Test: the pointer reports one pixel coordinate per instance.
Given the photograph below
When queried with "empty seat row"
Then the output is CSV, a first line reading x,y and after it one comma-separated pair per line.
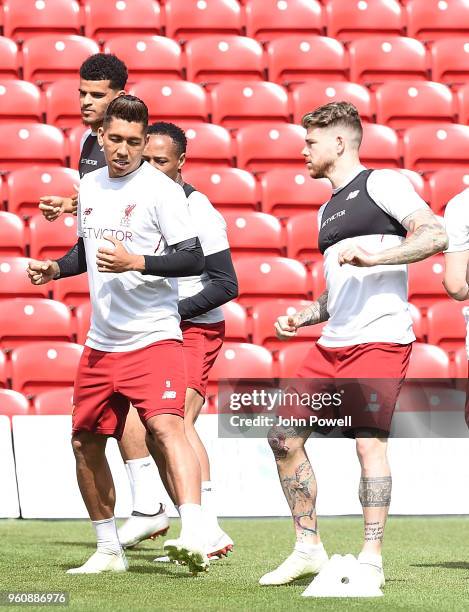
x,y
399,104
263,19
49,58
256,147
282,192
51,387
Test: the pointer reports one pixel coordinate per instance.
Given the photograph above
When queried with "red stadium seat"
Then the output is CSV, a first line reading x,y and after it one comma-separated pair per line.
x,y
217,57
8,59
444,185
291,357
226,188
52,240
20,101
380,146
14,281
53,57
263,278
417,181
403,104
240,360
188,18
207,145
23,18
253,233
463,104
73,290
450,60
73,144
307,97
147,56
461,363
31,144
428,361
318,282
44,365
267,19
447,325
83,316
288,191
63,104
234,105
236,322
173,100
378,59
103,19
13,403
55,401
302,237
430,147
3,371
348,20
27,185
12,235
24,320
263,147
426,282
301,58
433,19
264,316
417,322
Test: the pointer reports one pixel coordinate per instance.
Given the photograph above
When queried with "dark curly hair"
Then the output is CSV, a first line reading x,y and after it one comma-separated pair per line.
x,y
105,67
177,135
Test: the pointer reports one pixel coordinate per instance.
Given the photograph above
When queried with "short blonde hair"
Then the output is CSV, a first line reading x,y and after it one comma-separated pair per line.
x,y
332,114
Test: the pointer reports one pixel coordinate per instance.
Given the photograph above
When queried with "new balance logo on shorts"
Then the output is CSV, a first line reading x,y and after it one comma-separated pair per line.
x,y
169,395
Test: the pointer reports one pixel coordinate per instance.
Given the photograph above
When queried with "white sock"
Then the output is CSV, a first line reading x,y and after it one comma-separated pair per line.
x,y
144,486
371,559
191,520
308,549
208,508
106,536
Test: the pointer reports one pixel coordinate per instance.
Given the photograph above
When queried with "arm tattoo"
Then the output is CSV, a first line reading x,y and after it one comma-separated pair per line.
x,y
375,491
300,491
427,238
315,313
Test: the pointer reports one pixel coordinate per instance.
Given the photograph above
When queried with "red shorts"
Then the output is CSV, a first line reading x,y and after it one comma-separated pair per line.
x,y
201,344
370,406
152,378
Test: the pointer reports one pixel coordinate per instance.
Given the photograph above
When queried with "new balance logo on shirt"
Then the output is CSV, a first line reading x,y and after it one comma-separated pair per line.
x,y
352,194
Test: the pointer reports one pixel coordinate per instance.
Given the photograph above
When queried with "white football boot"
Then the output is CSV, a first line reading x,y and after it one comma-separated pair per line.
x,y
297,565
139,527
100,562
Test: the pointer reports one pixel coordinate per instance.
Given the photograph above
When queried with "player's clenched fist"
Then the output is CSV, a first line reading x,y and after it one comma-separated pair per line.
x,y
286,327
41,272
356,256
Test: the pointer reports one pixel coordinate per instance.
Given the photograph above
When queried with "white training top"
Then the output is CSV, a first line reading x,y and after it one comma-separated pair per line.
x,y
370,304
210,227
457,228
147,212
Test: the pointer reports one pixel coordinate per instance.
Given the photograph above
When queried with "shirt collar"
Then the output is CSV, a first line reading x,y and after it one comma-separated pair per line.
x,y
355,172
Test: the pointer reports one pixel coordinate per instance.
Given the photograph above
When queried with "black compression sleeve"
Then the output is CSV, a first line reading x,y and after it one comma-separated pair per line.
x,y
188,260
221,288
73,262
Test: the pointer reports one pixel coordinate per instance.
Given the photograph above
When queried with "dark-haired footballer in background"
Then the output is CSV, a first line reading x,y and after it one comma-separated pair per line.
x,y
203,329
133,352
102,78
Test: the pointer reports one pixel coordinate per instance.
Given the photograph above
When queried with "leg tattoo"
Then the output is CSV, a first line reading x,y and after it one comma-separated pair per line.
x,y
375,491
300,491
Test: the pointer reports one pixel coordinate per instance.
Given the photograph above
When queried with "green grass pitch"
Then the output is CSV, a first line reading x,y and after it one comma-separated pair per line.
x,y
426,565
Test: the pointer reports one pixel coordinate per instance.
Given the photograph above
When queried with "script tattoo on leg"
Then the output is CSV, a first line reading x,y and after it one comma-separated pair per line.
x,y
374,532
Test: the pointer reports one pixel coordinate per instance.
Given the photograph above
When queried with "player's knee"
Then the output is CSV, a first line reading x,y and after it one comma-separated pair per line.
x,y
370,450
86,444
163,430
282,444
